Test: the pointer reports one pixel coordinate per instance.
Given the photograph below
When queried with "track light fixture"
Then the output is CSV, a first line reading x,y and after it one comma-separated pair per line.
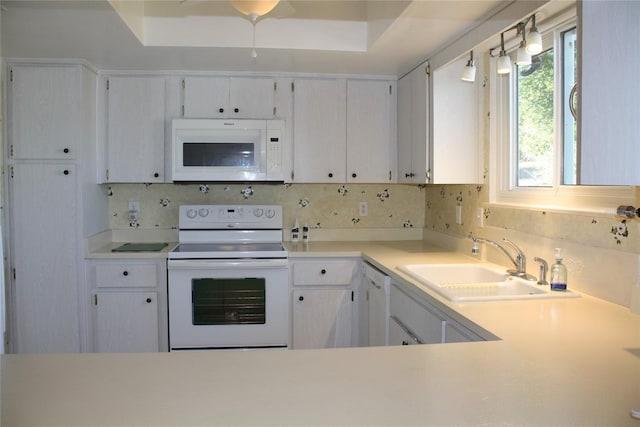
x,y
534,44
469,72
504,61
522,56
529,45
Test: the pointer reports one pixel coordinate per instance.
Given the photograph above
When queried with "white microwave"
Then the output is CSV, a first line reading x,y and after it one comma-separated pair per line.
x,y
227,150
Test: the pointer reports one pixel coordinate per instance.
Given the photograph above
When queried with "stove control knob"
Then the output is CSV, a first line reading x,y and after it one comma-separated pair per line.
x,y
270,213
258,212
203,212
191,213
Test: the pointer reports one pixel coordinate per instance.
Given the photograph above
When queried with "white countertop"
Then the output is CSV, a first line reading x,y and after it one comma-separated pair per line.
x,y
559,362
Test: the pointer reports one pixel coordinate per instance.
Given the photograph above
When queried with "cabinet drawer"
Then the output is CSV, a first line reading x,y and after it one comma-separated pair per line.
x,y
421,322
126,275
324,273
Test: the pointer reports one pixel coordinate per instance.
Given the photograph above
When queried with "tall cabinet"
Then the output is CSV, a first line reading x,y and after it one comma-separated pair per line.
x,y
50,124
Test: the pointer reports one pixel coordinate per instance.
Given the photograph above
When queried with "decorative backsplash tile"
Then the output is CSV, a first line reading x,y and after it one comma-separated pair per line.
x,y
318,205
602,231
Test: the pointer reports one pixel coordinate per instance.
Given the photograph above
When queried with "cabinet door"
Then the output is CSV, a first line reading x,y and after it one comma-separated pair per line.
x,y
405,154
206,97
135,129
251,98
371,131
455,142
378,319
44,253
420,161
322,318
400,335
319,132
608,108
126,322
44,111
424,323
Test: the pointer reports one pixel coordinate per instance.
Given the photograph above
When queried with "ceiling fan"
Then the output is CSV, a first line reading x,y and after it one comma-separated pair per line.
x,y
256,9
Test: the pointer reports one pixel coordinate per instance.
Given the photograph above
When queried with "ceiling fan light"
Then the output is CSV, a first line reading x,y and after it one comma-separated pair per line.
x,y
254,8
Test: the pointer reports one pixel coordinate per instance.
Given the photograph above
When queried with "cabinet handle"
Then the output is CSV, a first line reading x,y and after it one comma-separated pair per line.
x,y
300,298
353,175
65,151
125,273
221,110
66,172
323,271
148,300
155,175
236,110
330,174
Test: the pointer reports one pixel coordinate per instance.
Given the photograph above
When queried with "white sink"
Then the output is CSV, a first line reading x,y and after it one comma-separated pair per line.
x,y
478,282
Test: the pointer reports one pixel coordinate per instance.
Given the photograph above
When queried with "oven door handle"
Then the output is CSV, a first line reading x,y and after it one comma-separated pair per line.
x,y
226,264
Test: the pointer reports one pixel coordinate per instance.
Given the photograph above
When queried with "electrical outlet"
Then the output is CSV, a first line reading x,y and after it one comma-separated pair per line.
x,y
480,217
459,214
134,210
363,209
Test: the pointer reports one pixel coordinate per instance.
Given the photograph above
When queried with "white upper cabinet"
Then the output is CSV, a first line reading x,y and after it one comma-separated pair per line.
x,y
413,123
135,124
229,97
44,103
609,110
456,155
344,130
371,131
439,135
319,130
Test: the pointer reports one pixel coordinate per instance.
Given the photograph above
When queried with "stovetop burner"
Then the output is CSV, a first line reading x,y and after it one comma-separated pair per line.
x,y
226,232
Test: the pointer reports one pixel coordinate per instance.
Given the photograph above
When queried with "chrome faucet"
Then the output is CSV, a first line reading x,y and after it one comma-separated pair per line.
x,y
519,262
543,271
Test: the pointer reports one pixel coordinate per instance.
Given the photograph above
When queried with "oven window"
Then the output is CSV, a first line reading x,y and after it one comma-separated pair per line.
x,y
228,301
235,154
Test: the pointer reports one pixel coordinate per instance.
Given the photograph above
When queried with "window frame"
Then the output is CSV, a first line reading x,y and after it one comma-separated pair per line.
x,y
503,153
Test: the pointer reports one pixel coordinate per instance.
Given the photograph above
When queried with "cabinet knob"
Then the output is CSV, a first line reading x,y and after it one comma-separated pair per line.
x,y
125,273
66,172
330,174
405,343
155,175
221,110
236,110
148,300
353,175
300,298
65,151
323,271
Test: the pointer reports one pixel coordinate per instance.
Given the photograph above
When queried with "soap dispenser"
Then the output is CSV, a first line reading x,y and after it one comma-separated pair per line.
x,y
558,273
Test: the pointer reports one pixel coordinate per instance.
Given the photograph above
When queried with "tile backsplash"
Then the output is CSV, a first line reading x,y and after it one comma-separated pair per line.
x,y
330,206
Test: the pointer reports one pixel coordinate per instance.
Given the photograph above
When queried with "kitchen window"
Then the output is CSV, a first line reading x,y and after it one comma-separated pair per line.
x,y
534,131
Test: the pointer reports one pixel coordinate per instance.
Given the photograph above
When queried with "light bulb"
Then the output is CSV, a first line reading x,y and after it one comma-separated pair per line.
x,y
469,72
534,42
504,63
522,56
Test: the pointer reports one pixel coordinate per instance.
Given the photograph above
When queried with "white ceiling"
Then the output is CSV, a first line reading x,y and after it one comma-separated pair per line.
x,y
386,37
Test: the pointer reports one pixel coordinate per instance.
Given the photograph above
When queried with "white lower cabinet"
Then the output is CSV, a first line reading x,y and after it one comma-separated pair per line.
x,y
374,307
415,321
324,303
130,305
126,322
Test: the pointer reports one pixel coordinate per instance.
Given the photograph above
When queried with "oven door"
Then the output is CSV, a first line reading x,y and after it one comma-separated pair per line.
x,y
228,304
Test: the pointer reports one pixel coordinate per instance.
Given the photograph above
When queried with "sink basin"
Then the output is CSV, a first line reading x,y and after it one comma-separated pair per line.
x,y
478,282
